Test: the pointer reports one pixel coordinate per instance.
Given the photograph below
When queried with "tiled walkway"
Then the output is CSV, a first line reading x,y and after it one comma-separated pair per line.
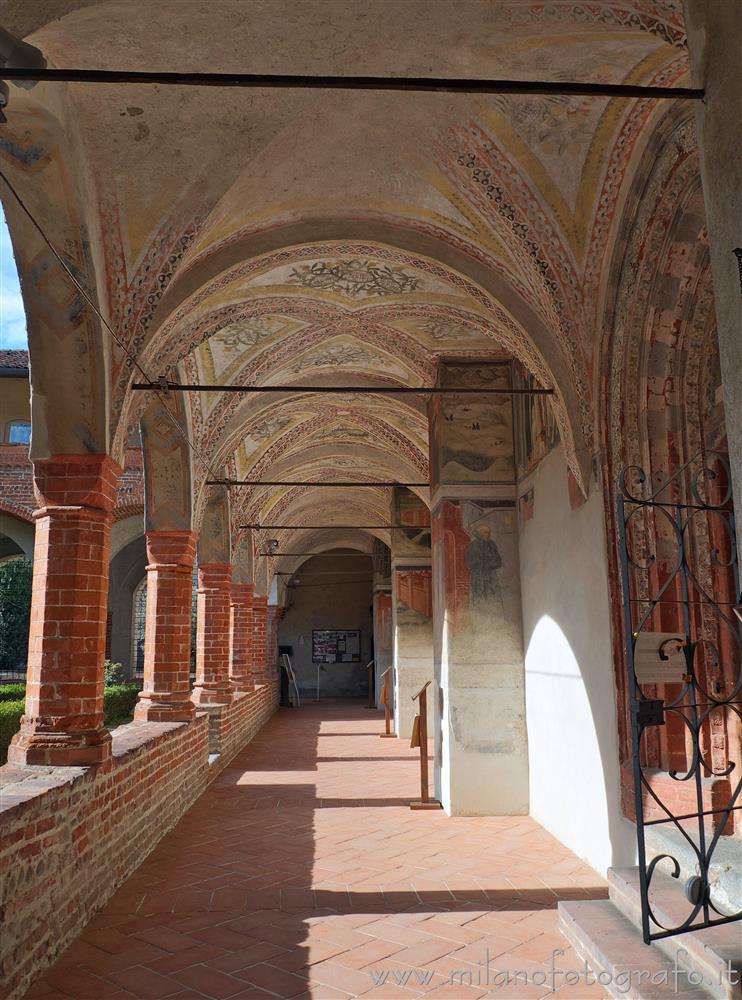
x,y
302,871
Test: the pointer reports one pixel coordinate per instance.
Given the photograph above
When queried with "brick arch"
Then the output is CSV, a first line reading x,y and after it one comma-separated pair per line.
x,y
16,510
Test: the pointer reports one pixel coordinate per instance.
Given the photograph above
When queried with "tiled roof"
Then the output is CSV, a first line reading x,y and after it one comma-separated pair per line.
x,y
13,359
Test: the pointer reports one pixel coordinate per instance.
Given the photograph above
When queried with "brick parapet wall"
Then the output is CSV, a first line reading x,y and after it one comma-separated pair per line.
x,y
242,715
70,836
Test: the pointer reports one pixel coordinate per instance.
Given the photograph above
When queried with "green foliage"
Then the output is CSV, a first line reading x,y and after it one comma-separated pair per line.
x,y
119,702
10,721
12,692
15,612
115,673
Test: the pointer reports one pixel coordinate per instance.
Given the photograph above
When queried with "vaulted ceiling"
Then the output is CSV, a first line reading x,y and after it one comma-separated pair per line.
x,y
296,237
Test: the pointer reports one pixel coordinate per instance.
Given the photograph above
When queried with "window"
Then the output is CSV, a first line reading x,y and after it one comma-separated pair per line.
x,y
19,432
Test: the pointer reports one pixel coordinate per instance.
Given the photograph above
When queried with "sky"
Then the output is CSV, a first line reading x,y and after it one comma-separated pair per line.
x,y
12,315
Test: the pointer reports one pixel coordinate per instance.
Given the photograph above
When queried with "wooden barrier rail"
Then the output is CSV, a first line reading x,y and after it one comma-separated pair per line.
x,y
385,699
420,739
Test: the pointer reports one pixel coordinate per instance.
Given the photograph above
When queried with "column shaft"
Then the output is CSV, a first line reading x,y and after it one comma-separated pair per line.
x,y
63,722
383,635
166,695
212,635
259,634
274,616
240,653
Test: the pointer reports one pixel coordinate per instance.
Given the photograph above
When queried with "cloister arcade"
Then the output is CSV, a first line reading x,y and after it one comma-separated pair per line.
x,y
552,273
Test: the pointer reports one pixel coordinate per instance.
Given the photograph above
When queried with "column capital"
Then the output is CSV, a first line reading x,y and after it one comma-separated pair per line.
x,y
171,548
214,576
242,593
81,481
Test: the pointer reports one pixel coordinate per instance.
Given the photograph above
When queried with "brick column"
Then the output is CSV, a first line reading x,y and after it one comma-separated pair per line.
x,y
63,723
259,637
383,634
240,636
212,635
166,696
274,616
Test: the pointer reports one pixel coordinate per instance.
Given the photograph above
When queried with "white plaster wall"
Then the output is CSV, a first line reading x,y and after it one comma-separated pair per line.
x,y
570,690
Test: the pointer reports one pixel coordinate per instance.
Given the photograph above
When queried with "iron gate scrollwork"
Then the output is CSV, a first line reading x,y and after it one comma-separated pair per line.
x,y
684,655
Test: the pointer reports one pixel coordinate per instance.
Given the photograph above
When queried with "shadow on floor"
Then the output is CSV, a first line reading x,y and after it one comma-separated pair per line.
x,y
302,872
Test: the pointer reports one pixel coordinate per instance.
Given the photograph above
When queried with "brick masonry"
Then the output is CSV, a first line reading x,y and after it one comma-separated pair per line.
x,y
166,695
17,484
72,835
212,685
240,620
679,797
63,721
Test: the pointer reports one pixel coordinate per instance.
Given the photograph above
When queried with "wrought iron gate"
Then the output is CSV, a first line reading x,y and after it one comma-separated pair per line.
x,y
684,653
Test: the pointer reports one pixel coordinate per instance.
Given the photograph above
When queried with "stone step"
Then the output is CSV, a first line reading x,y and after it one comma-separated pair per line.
x,y
715,953
616,953
725,872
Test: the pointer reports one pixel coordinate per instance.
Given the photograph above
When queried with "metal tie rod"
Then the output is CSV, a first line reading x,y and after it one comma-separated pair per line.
x,y
420,84
321,527
334,555
281,482
336,390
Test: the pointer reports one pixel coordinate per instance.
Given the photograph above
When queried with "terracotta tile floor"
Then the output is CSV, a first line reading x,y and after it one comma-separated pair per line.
x,y
302,871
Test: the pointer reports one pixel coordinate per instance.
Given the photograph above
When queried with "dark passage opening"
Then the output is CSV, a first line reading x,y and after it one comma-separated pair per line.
x,y
328,625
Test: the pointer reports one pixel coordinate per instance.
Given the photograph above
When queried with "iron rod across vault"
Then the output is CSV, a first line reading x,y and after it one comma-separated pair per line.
x,y
380,390
423,84
322,527
311,482
335,555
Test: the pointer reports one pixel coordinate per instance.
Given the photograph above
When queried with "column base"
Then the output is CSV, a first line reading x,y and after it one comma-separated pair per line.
x,y
59,749
210,696
153,707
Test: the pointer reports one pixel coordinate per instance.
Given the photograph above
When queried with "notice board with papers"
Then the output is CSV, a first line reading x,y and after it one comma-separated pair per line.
x,y
336,645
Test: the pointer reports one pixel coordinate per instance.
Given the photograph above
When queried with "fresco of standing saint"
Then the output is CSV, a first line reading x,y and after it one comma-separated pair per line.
x,y
483,561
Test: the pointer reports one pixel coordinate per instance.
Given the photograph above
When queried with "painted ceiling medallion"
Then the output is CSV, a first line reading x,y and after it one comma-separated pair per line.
x,y
355,278
248,332
339,356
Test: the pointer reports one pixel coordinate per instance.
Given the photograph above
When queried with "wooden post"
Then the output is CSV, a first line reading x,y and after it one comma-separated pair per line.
x,y
420,739
385,701
371,666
